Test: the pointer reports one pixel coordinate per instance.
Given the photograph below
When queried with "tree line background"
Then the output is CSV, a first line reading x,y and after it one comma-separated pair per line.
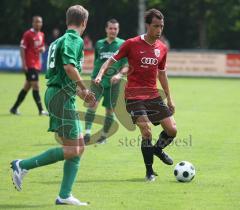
x,y
203,24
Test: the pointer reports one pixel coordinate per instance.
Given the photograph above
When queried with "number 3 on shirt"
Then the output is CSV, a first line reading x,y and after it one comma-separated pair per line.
x,y
51,56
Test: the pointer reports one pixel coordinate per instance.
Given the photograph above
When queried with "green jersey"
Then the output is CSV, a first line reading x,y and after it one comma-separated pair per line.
x,y
67,49
104,51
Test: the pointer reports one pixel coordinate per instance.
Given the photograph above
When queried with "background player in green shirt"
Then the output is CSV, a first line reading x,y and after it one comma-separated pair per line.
x,y
64,83
104,49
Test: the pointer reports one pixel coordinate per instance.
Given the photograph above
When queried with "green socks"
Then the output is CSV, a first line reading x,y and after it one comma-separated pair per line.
x,y
109,119
50,156
53,155
89,118
70,170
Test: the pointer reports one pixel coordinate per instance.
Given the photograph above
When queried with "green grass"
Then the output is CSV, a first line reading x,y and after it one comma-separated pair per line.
x,y
111,175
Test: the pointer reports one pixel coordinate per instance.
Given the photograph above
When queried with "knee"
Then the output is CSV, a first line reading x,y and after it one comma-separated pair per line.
x,y
76,151
35,86
146,132
109,111
172,131
27,87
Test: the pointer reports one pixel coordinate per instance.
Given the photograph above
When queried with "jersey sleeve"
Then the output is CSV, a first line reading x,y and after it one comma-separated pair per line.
x,y
123,51
25,40
162,64
69,52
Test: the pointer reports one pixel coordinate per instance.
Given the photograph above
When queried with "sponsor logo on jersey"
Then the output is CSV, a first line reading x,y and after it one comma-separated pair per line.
x,y
157,52
106,55
149,61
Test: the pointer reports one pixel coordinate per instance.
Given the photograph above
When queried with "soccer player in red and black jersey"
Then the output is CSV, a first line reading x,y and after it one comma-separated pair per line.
x,y
147,61
31,47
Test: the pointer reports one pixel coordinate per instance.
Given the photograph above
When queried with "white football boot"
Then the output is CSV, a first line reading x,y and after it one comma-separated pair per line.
x,y
70,201
17,174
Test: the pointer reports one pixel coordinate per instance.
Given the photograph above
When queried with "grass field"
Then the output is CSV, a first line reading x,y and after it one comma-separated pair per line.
x,y
111,175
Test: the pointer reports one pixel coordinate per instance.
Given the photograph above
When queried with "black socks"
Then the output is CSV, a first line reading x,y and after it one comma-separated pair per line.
x,y
37,99
163,141
147,152
22,94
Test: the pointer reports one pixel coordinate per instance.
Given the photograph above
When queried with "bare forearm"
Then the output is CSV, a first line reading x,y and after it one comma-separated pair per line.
x,y
42,49
22,53
124,70
74,75
105,67
164,83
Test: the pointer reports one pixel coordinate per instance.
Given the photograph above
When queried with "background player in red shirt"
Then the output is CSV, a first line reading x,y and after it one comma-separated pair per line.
x,y
147,61
31,47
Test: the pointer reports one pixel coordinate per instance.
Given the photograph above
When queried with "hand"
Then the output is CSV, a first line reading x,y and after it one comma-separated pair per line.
x,y
41,49
98,80
87,96
171,105
116,78
24,67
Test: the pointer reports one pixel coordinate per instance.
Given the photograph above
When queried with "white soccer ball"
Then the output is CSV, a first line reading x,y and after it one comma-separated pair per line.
x,y
184,171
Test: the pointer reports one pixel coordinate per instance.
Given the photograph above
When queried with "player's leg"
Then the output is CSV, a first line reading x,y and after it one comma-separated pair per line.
x,y
110,96
21,96
165,138
169,132
90,114
138,111
146,146
73,149
159,113
67,128
89,118
108,121
35,91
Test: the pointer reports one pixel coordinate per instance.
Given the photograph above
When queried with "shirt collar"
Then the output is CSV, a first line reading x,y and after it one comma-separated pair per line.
x,y
142,38
32,30
115,40
72,31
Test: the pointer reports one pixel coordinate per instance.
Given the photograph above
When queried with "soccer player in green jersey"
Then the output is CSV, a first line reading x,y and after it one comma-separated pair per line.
x,y
64,83
108,90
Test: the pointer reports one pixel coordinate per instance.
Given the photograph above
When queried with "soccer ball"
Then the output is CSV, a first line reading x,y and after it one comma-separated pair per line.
x,y
184,171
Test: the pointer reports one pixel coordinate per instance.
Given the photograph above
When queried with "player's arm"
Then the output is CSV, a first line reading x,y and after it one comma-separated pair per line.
x,y
104,69
117,77
82,91
163,79
23,46
42,48
23,58
123,52
69,54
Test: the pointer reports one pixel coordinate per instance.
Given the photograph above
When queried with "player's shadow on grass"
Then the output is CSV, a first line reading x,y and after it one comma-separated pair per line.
x,y
22,206
111,180
96,181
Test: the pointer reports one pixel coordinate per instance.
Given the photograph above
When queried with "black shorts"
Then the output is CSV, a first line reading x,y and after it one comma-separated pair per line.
x,y
32,74
155,109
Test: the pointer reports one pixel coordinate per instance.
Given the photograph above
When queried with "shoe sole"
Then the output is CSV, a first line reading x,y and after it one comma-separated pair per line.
x,y
152,180
57,202
14,180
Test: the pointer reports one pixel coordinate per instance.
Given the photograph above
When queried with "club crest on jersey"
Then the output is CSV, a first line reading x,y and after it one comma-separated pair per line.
x,y
157,52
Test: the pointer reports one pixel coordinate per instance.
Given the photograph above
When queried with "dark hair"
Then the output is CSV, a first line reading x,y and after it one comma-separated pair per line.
x,y
113,21
150,14
36,16
76,15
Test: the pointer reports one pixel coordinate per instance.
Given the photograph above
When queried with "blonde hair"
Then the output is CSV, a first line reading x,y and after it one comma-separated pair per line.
x,y
76,15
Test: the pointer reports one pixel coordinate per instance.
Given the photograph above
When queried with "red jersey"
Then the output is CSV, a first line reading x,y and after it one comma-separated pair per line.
x,y
145,60
32,41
